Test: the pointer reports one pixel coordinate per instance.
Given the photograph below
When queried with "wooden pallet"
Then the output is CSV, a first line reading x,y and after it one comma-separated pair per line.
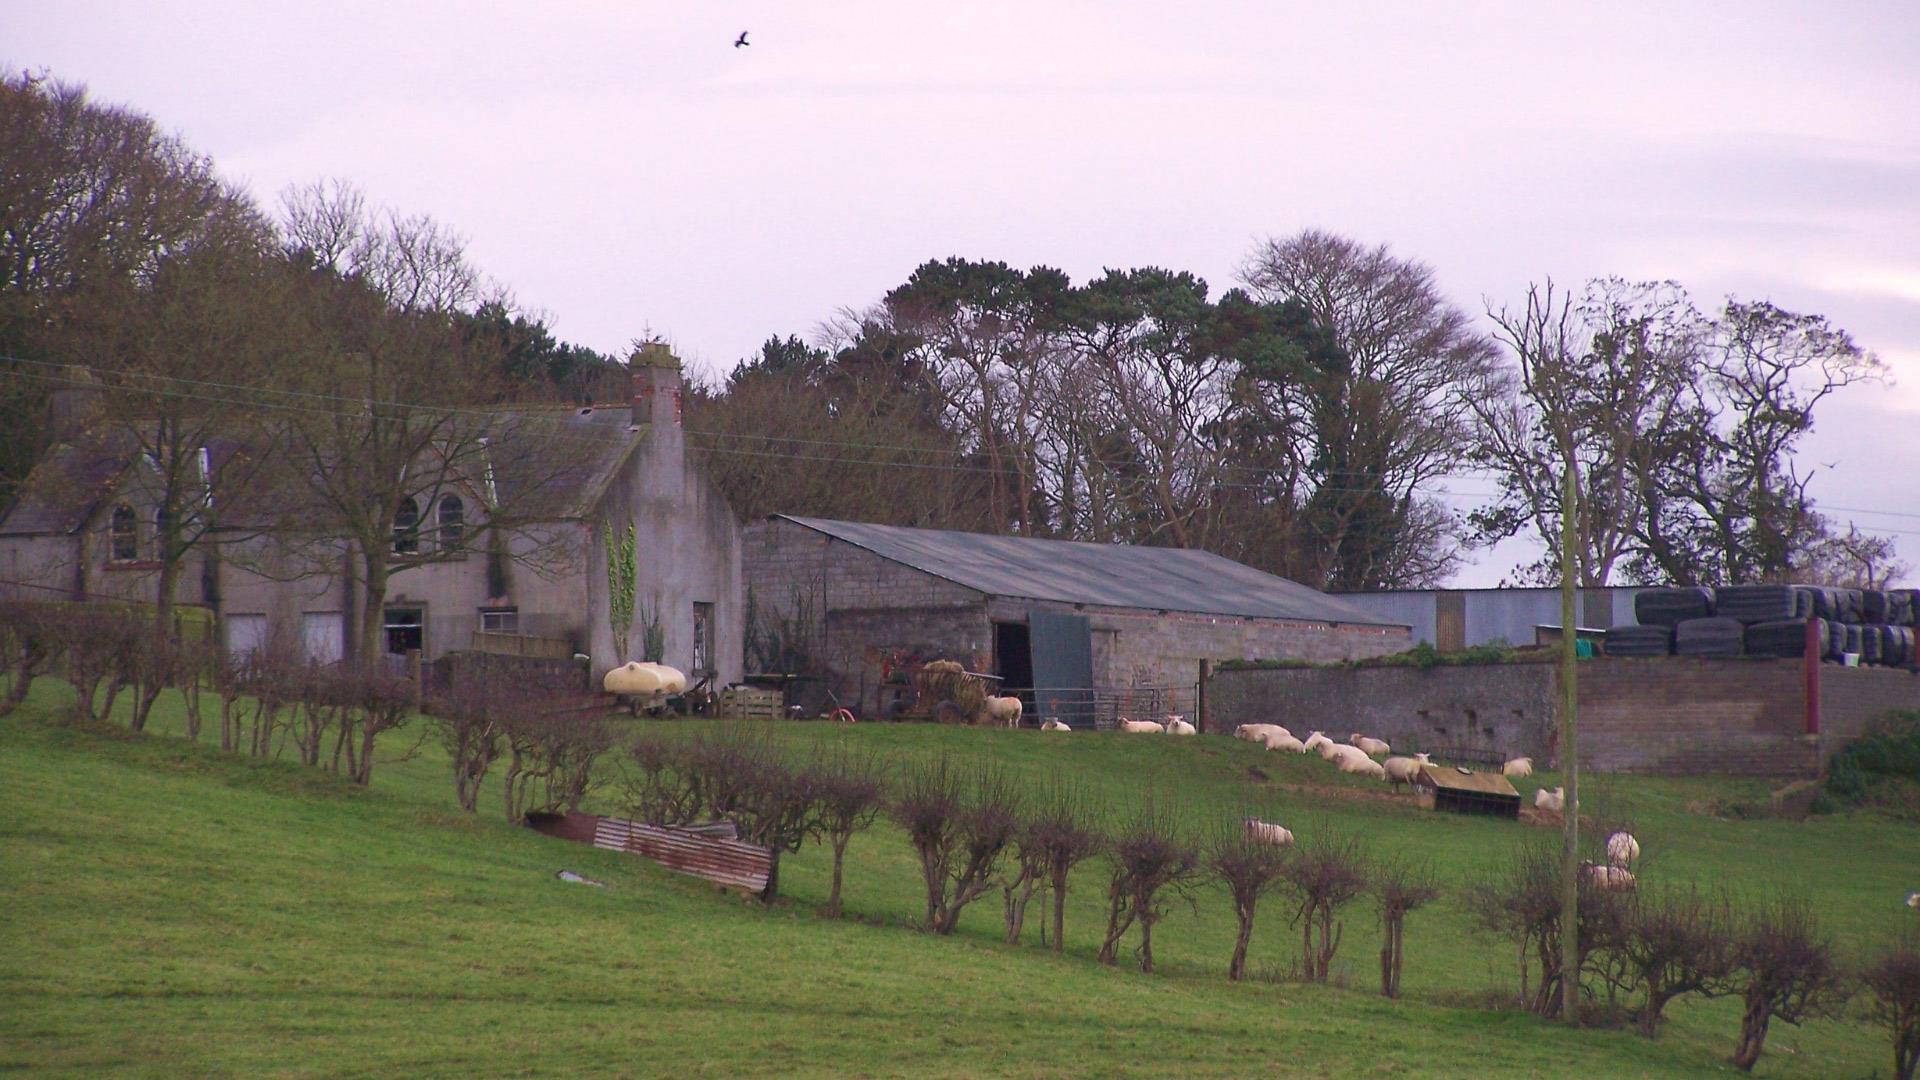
x,y
750,703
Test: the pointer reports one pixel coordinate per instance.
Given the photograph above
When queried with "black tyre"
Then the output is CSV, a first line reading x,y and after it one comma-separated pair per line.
x,y
1667,607
1757,603
1718,636
1787,637
1873,607
1639,641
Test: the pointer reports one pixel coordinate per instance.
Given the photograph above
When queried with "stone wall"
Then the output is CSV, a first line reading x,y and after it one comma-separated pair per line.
x,y
1673,715
1508,709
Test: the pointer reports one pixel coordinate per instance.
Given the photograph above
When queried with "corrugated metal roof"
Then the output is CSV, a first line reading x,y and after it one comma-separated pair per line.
x,y
1458,779
1109,575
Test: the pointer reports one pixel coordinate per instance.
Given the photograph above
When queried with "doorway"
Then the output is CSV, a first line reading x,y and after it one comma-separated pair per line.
x,y
1013,657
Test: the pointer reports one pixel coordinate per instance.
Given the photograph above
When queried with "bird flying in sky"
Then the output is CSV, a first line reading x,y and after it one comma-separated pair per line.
x,y
741,40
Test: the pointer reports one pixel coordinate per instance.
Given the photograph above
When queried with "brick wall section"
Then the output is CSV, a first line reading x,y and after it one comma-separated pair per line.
x,y
1851,699
1507,709
1677,715
1683,715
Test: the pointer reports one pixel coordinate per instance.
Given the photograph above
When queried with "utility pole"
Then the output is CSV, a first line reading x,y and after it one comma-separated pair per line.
x,y
1569,751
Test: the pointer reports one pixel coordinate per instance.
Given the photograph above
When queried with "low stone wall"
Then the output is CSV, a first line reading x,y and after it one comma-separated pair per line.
x,y
1671,715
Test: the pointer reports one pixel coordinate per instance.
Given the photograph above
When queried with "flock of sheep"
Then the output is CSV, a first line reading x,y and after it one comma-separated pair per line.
x,y
1357,755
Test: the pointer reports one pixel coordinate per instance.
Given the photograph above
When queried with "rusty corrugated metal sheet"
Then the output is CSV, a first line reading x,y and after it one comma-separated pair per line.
x,y
733,863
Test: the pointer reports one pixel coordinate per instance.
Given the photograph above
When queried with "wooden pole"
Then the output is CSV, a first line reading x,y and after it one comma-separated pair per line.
x,y
1569,751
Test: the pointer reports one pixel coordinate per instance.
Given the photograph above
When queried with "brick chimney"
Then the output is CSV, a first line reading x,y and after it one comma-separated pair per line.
x,y
656,387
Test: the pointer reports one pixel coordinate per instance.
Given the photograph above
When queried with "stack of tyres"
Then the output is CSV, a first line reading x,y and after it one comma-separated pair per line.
x,y
1788,637
1639,640
1873,607
1670,607
1719,636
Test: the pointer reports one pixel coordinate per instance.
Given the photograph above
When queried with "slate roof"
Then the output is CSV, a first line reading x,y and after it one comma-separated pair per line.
x,y
1109,575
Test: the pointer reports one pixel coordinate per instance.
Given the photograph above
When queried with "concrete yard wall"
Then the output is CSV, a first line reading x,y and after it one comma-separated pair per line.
x,y
1673,715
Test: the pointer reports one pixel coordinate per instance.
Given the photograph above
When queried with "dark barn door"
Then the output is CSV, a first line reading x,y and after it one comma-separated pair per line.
x,y
1062,668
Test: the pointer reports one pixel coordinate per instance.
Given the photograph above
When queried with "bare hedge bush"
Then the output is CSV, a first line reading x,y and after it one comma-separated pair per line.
x,y
1785,970
1149,859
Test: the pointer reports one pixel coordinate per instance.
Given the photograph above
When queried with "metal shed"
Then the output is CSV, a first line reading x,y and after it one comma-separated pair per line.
x,y
1466,791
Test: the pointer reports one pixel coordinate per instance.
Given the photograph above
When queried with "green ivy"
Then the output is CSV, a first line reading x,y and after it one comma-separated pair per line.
x,y
622,574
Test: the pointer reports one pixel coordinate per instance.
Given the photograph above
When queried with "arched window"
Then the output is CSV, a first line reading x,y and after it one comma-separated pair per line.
x,y
453,521
124,532
406,527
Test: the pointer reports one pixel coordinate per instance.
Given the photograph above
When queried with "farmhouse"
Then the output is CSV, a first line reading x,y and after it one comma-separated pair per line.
x,y
84,529
1092,631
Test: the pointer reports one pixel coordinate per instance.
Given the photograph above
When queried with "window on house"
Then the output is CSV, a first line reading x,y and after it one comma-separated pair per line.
x,y
123,532
406,527
406,629
453,521
500,620
702,638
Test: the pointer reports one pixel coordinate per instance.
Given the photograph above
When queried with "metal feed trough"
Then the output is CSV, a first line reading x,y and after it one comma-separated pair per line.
x,y
1466,791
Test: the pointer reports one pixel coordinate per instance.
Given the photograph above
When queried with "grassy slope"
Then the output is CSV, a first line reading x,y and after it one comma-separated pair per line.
x,y
175,910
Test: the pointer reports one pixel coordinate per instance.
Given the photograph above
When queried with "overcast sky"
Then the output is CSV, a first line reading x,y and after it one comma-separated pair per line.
x,y
624,170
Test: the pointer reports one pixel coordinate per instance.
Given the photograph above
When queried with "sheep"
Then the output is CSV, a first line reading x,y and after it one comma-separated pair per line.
x,y
1363,766
1610,878
1003,710
1372,747
1267,833
1055,725
1520,766
1622,849
1401,770
1259,732
1554,799
1140,727
1913,901
1317,741
1287,743
1177,726
1423,759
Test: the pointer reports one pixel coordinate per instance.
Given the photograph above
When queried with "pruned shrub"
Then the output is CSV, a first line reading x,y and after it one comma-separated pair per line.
x,y
1055,835
1398,888
1150,859
1784,969
960,823
550,761
1893,982
29,645
1519,899
1249,868
849,789
1324,875
1675,941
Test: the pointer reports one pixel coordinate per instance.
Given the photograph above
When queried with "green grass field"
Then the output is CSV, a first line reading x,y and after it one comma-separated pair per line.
x,y
171,910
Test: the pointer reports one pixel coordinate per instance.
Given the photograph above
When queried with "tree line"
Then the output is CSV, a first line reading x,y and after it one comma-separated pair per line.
x,y
1306,420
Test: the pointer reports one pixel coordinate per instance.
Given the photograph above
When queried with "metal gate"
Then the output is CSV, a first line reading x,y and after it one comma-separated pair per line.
x,y
1062,667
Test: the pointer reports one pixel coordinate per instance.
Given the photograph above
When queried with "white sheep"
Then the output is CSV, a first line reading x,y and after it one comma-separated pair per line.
x,y
1520,766
1401,770
1622,849
1319,743
1423,759
1267,833
1177,726
1373,747
1258,732
1140,727
1554,799
1285,742
1611,878
1003,710
1055,725
1913,901
1352,759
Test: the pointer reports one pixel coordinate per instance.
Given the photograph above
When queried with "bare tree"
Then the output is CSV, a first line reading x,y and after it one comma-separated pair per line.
x,y
393,418
1393,416
1678,941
